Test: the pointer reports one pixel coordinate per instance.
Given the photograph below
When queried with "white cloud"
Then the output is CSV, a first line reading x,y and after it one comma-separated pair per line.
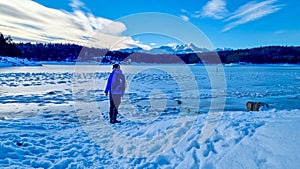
x,y
30,21
250,12
214,9
183,10
185,18
172,44
77,4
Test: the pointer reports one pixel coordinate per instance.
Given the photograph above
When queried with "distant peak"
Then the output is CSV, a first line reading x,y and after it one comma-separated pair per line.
x,y
171,48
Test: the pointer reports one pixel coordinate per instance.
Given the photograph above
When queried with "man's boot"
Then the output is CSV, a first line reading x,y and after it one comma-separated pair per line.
x,y
114,116
111,117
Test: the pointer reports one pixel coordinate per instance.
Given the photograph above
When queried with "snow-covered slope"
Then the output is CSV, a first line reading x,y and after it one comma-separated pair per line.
x,y
56,139
14,61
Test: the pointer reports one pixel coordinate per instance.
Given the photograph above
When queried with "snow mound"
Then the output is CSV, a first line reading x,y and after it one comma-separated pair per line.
x,y
14,61
242,139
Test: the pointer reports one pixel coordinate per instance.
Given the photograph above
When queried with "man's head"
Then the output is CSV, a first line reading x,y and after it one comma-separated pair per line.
x,y
116,66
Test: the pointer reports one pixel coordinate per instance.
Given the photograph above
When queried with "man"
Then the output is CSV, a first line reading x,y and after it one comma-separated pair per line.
x,y
116,88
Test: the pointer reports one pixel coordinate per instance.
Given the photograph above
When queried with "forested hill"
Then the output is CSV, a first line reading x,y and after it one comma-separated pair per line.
x,y
71,52
269,54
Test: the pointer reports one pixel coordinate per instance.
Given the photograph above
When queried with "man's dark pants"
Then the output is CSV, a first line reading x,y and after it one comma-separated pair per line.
x,y
115,101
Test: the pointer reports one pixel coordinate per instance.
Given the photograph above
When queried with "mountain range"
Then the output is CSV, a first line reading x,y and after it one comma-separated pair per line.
x,y
176,49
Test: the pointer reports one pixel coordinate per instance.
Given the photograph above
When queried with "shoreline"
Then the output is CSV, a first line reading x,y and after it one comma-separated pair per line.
x,y
17,62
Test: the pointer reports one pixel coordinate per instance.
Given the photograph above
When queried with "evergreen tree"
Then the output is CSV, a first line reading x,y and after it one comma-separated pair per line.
x,y
8,47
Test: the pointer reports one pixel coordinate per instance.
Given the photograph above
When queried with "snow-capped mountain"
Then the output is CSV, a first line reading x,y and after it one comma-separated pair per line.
x,y
189,48
176,49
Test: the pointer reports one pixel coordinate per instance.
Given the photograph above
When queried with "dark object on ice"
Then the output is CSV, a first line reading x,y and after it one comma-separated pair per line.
x,y
51,93
255,106
19,144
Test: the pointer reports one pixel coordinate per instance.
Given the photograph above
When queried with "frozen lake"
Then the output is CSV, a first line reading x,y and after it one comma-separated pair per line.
x,y
31,88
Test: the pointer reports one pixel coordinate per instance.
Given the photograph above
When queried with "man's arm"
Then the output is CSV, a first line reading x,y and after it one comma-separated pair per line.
x,y
108,85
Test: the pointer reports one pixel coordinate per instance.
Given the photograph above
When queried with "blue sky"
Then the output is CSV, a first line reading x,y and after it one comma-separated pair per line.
x,y
224,23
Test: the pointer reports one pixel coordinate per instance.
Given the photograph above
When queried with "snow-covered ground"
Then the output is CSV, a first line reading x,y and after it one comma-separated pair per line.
x,y
14,61
55,116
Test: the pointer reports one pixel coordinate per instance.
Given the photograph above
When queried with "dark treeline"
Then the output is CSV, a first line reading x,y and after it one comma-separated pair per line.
x,y
269,54
49,52
261,55
8,47
73,52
